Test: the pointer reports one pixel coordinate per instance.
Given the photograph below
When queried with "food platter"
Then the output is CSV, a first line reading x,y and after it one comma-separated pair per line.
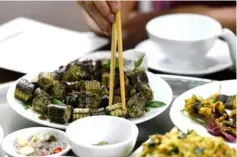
x,y
183,122
161,89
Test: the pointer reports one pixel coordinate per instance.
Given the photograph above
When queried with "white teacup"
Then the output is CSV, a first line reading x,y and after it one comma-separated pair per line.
x,y
187,38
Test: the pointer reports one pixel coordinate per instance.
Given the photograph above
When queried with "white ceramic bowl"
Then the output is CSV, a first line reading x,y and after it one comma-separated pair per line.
x,y
121,134
186,38
8,141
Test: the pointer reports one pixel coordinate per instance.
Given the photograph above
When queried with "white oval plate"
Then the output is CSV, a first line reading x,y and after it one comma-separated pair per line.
x,y
184,123
161,89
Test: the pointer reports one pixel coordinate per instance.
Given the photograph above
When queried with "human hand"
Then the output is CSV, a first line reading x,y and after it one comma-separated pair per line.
x,y
102,12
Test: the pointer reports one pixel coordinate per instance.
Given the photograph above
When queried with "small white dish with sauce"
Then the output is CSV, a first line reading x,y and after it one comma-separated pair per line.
x,y
119,134
9,142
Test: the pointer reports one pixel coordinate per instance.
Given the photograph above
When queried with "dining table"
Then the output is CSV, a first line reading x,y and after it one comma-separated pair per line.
x,y
179,84
160,124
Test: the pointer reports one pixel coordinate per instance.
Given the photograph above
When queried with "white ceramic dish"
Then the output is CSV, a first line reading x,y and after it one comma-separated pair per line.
x,y
217,59
191,38
161,89
8,141
184,123
121,135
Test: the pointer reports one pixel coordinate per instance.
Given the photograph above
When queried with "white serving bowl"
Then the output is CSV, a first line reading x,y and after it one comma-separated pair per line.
x,y
187,38
8,141
121,134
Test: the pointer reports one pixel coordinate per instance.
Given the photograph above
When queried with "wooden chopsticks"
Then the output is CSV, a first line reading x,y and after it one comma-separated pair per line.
x,y
117,39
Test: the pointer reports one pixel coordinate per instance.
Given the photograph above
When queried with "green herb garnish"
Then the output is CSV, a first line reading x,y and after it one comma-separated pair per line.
x,y
55,101
26,106
199,150
139,61
155,104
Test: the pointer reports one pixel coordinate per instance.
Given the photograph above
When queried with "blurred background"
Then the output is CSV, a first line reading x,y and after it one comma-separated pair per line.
x,y
63,14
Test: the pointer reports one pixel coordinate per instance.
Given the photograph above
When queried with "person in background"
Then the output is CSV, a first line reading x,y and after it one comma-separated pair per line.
x,y
99,15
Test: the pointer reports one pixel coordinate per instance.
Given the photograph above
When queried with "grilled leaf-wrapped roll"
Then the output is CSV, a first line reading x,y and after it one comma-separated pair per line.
x,y
137,75
39,91
58,90
45,80
87,67
75,86
73,73
59,113
222,98
145,90
24,90
40,103
105,79
119,113
98,71
72,100
88,100
104,101
92,85
230,102
117,79
113,107
79,113
96,112
136,105
116,99
103,91
118,93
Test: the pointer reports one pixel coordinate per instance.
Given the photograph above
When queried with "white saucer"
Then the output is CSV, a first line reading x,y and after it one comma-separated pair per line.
x,y
217,59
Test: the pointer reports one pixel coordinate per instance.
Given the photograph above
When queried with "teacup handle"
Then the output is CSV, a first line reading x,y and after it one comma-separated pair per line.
x,y
230,38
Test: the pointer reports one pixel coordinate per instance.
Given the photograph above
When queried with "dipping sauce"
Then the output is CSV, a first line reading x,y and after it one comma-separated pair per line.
x,y
39,145
102,143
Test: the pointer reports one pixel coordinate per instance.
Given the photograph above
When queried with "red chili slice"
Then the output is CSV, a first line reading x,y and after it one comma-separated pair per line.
x,y
57,150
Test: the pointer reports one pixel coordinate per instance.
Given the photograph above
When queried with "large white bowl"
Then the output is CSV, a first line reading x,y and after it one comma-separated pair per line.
x,y
121,134
9,140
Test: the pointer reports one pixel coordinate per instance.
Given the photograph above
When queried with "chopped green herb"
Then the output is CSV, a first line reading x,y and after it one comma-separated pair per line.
x,y
102,143
199,150
55,101
26,106
155,104
183,135
51,139
139,61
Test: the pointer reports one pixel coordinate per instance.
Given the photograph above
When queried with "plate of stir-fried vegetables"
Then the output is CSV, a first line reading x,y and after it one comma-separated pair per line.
x,y
184,144
209,109
80,89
